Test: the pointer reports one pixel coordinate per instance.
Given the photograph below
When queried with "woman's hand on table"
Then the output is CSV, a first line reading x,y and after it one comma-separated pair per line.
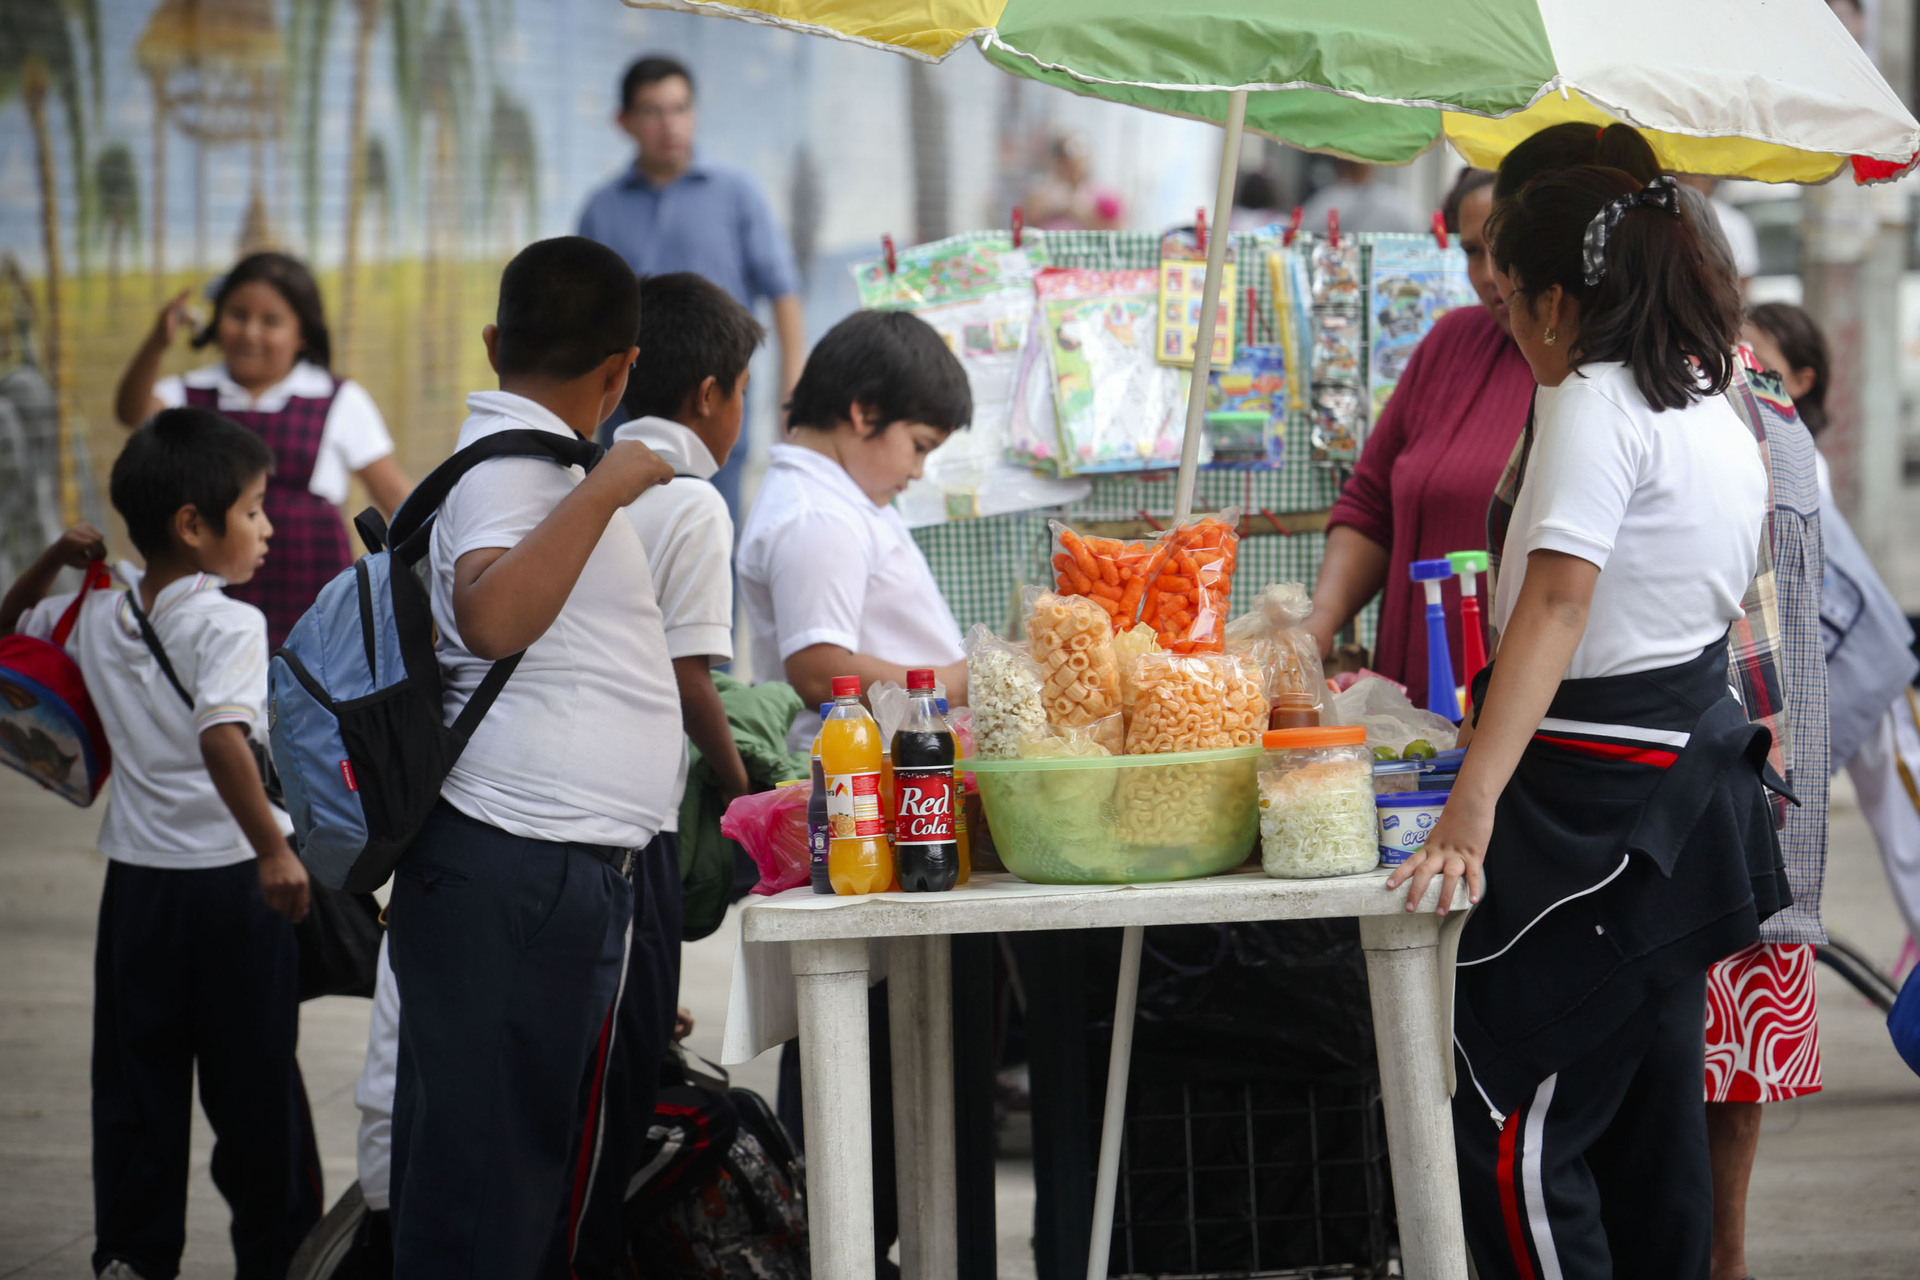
x,y
1456,848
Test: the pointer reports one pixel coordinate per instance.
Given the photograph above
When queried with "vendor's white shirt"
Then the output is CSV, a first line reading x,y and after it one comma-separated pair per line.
x,y
688,537
162,809
355,436
1670,505
578,746
819,563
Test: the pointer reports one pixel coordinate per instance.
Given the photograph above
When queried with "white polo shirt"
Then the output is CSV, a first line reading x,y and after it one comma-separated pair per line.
x,y
688,537
355,436
1668,504
162,809
579,745
820,563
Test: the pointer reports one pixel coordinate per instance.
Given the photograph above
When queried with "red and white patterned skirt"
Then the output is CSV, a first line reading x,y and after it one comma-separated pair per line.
x,y
1763,1030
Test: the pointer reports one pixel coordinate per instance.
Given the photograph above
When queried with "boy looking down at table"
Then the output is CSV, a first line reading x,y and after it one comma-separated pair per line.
x,y
833,582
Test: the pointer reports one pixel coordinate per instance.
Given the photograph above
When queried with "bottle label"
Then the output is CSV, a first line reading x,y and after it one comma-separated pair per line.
x,y
853,806
923,801
817,845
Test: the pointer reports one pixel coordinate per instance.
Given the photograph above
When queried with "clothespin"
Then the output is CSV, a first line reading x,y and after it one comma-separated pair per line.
x,y
1293,227
1333,227
886,247
1200,229
1253,300
1019,225
1440,227
1155,525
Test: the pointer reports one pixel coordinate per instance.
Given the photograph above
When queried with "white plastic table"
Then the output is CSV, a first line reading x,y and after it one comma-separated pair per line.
x,y
1410,991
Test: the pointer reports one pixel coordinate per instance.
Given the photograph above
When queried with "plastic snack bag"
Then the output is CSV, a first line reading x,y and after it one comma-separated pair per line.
x,y
772,827
1004,686
1131,644
1381,707
1111,573
1072,643
1270,634
1190,583
1180,704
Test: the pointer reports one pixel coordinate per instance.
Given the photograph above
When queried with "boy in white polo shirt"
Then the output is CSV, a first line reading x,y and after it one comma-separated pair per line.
x,y
196,963
510,912
834,584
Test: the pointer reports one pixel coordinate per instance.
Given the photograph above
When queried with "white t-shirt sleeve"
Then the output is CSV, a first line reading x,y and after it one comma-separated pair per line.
x,y
229,675
818,570
40,620
355,437
171,391
1586,466
693,575
496,504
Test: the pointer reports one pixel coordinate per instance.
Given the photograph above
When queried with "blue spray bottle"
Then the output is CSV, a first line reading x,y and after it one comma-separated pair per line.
x,y
1442,698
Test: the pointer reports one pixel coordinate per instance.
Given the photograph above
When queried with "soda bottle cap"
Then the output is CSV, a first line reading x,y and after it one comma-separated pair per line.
x,y
920,678
940,705
846,686
826,709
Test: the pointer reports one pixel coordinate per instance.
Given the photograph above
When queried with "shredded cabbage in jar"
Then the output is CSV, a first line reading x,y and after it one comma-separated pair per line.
x,y
1318,820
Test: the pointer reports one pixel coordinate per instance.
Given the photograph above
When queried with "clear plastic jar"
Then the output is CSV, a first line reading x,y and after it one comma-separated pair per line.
x,y
1316,803
1393,776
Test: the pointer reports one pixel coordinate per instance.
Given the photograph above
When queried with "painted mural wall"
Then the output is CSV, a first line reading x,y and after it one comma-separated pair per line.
x,y
406,148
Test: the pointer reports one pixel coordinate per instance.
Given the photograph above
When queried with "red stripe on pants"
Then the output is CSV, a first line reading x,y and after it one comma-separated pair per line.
x,y
588,1134
1510,1195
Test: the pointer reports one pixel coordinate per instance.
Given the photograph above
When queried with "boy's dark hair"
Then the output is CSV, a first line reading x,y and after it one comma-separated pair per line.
x,y
891,363
651,69
183,458
290,277
690,330
1662,305
1469,181
1566,146
1805,347
566,304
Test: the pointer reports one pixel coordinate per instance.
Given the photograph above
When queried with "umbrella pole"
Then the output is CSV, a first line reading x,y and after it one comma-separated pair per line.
x,y
1112,1120
1127,993
1209,302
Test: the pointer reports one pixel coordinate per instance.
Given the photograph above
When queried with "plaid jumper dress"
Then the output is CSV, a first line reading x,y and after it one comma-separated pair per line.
x,y
309,542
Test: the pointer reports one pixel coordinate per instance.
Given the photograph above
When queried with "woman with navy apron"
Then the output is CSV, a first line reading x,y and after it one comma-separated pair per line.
x,y
274,379
1613,789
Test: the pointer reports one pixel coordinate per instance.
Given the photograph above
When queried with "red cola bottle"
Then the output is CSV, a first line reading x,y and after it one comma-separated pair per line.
x,y
926,850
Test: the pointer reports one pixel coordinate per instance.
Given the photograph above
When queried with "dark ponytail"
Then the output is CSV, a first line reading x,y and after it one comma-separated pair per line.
x,y
291,279
1804,347
1662,309
1569,145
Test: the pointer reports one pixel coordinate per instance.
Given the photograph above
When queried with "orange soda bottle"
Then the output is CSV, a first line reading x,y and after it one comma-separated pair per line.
x,y
859,860
959,810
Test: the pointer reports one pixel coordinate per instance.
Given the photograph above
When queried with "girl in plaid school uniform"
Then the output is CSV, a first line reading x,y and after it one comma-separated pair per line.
x,y
274,379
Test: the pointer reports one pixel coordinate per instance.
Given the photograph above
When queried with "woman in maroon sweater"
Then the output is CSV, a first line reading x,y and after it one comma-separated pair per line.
x,y
1429,467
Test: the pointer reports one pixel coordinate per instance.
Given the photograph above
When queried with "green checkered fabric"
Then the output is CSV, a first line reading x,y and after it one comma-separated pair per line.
x,y
980,565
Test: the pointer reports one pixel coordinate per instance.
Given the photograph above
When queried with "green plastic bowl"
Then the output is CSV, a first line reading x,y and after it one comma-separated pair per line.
x,y
1123,819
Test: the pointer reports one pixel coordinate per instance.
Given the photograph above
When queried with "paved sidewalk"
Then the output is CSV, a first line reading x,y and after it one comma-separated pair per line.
x,y
1836,1193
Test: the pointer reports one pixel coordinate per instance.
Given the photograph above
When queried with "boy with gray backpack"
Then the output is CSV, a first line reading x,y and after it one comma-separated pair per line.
x,y
511,902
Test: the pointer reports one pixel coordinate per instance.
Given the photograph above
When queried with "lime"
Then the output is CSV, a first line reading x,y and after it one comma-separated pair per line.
x,y
1385,753
1419,749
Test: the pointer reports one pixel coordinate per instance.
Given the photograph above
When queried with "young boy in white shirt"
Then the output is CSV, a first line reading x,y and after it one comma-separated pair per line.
x,y
509,918
833,582
196,963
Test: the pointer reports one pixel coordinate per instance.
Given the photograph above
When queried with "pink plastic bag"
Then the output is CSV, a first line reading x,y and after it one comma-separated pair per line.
x,y
772,827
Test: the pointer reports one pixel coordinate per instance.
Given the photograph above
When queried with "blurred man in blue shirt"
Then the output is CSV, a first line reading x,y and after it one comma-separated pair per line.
x,y
674,212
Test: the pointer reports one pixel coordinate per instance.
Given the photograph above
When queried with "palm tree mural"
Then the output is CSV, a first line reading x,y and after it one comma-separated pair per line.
x,y
38,60
216,68
446,100
116,208
513,170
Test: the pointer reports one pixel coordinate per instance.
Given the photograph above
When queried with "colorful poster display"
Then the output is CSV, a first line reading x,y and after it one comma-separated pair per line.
x,y
1413,282
1183,284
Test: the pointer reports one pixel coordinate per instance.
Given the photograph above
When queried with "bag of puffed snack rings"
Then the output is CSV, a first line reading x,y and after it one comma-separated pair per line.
x,y
1270,633
1130,644
1072,643
1194,702
1004,688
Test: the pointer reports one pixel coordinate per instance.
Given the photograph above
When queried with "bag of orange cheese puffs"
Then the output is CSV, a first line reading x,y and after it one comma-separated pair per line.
x,y
1180,582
